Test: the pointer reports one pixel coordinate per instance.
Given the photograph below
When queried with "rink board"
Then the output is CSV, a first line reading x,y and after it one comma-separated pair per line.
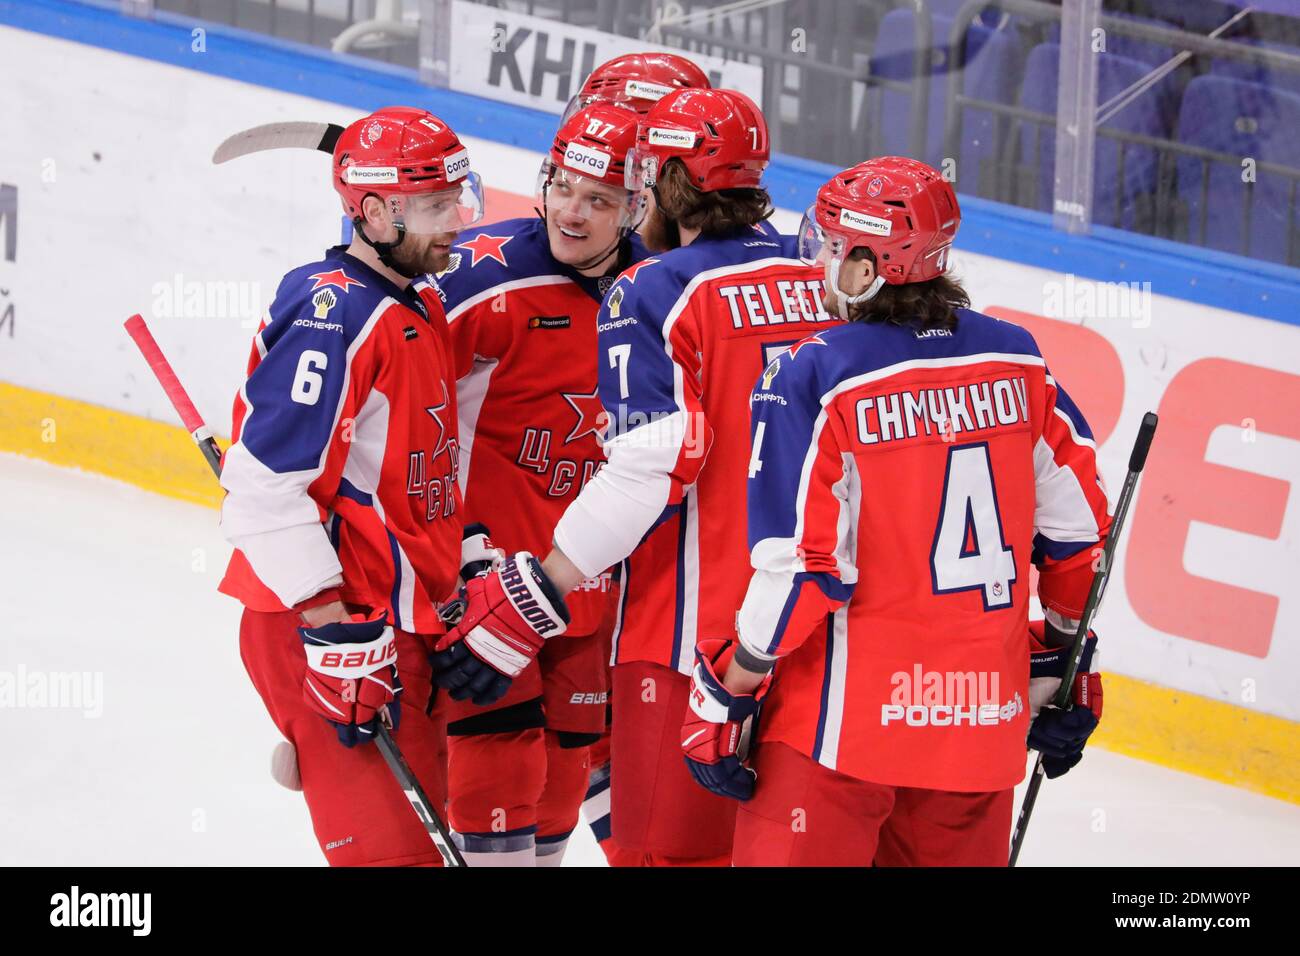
x,y
122,212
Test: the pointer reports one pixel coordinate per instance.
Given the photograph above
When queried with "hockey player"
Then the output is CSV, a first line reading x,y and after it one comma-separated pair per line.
x,y
341,495
682,335
907,468
637,81
521,299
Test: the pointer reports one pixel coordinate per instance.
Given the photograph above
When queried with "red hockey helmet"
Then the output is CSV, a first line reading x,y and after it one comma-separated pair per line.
x,y
593,143
904,211
403,155
720,136
637,81
592,146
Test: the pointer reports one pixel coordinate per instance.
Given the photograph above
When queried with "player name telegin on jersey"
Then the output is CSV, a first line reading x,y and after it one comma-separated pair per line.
x,y
777,302
942,411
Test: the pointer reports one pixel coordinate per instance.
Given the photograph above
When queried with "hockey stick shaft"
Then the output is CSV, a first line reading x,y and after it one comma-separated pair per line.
x,y
176,394
1136,462
180,399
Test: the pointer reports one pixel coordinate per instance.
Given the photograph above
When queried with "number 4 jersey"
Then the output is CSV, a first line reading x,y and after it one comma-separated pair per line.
x,y
343,469
901,484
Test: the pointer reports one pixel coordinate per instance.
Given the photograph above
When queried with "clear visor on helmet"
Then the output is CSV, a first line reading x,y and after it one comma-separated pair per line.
x,y
441,211
577,102
640,169
811,236
566,191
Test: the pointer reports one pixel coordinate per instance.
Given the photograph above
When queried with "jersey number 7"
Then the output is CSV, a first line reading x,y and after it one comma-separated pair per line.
x,y
970,550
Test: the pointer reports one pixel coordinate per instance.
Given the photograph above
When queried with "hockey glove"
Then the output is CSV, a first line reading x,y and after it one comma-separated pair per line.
x,y
478,555
509,613
714,724
352,676
1061,734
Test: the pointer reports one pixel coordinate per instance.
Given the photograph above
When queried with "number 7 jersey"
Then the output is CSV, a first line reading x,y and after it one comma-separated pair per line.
x,y
902,483
682,335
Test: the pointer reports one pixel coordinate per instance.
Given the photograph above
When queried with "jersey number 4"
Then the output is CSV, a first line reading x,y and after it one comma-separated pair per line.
x,y
970,550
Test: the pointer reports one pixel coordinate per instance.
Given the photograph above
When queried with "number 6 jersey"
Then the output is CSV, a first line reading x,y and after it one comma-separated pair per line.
x,y
343,469
901,484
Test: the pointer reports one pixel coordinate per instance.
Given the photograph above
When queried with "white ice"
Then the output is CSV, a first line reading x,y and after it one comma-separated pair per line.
x,y
101,578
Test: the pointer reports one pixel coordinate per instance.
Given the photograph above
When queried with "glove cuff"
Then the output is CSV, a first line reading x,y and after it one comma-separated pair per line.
x,y
529,588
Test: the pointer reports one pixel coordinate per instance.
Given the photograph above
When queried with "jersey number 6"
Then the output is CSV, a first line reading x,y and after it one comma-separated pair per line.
x,y
307,380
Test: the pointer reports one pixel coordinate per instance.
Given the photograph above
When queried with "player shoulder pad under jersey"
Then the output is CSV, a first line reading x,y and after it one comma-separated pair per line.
x,y
487,256
331,296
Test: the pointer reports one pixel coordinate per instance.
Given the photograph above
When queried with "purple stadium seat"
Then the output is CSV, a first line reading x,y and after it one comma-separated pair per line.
x,y
991,70
1129,206
1286,80
1241,120
1134,48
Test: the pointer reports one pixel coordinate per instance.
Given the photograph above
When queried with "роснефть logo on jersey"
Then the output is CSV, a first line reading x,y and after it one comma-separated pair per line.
x,y
922,698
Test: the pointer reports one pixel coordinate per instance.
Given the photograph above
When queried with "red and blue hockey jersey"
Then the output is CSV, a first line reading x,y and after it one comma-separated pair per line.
x,y
682,336
901,484
343,469
523,333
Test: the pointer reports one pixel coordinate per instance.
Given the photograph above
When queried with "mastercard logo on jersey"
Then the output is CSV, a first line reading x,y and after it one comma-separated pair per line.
x,y
548,322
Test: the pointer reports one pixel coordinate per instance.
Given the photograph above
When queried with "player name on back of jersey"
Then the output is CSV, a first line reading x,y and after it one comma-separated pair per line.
x,y
942,412
774,302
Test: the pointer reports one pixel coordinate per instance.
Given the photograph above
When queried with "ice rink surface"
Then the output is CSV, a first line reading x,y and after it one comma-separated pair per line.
x,y
166,761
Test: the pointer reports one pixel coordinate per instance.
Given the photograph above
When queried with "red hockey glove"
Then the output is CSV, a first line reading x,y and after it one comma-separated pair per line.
x,y
352,675
509,613
715,721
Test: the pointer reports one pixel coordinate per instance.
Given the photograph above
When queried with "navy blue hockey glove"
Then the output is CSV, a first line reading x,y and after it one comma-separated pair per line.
x,y
352,677
715,723
1062,734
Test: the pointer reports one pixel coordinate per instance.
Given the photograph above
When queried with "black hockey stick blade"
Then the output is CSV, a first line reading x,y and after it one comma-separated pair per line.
x,y
316,136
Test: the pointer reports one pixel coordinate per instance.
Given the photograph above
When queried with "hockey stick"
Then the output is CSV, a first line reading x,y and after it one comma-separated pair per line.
x,y
180,399
1136,461
318,136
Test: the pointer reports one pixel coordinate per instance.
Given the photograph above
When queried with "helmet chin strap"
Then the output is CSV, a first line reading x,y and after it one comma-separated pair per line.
x,y
383,249
842,301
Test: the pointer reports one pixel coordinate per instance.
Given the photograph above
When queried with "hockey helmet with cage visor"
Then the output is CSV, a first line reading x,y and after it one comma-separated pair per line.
x,y
901,210
637,81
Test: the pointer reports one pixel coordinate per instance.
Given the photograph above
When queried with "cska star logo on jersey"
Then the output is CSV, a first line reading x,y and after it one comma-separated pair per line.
x,y
337,278
592,418
435,411
814,339
631,272
484,246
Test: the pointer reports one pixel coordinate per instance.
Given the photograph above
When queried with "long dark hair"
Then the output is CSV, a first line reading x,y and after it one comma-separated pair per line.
x,y
713,213
931,304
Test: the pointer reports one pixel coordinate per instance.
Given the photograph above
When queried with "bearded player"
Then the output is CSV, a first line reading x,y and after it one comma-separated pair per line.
x,y
907,469
681,336
341,496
